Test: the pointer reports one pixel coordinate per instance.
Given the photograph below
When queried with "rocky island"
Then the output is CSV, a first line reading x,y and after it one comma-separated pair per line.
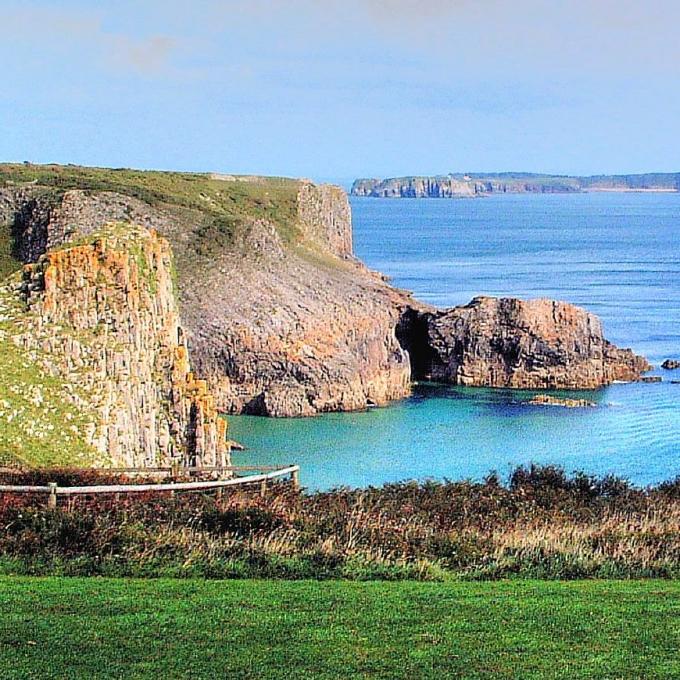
x,y
117,277
480,184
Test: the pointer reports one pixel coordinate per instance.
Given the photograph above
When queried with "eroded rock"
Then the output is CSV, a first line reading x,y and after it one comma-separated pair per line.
x,y
549,400
534,344
102,316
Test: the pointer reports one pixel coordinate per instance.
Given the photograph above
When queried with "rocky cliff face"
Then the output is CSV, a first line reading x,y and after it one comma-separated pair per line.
x,y
325,217
280,318
294,331
536,344
101,318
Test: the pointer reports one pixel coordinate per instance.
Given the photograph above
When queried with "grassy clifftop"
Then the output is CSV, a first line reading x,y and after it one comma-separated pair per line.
x,y
223,204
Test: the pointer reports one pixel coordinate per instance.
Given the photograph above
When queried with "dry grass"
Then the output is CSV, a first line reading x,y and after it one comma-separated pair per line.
x,y
542,523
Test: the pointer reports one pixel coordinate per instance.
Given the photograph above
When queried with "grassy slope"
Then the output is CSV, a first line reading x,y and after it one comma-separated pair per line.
x,y
97,628
38,423
223,207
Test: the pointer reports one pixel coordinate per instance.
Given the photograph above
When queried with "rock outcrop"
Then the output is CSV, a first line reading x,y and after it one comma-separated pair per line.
x,y
100,316
325,217
534,344
670,364
280,318
549,400
480,184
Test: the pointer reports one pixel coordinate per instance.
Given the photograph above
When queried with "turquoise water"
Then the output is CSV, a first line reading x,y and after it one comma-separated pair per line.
x,y
618,255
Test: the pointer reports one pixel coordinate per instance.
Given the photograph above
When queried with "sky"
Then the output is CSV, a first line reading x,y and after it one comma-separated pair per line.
x,y
337,89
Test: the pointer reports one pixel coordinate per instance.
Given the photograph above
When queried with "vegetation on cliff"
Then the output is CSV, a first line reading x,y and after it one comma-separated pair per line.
x,y
43,417
224,204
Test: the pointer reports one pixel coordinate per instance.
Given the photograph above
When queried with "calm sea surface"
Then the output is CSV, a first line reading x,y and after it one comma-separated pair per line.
x,y
618,255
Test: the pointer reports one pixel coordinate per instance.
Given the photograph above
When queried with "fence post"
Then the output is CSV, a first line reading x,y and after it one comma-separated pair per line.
x,y
295,478
263,488
52,498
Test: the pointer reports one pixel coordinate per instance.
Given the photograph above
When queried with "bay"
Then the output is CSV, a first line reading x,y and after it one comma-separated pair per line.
x,y
616,254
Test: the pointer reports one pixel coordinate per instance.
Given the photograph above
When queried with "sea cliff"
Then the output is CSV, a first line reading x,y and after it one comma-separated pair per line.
x,y
279,317
481,184
98,325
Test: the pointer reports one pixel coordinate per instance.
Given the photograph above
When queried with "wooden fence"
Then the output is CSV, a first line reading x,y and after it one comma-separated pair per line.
x,y
53,490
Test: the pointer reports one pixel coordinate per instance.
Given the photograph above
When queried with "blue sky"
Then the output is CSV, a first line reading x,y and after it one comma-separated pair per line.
x,y
343,88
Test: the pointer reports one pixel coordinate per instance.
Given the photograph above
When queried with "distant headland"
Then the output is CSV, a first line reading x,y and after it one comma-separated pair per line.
x,y
481,184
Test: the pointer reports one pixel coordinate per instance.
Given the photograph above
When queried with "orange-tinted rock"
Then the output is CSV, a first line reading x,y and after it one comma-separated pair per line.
x,y
105,311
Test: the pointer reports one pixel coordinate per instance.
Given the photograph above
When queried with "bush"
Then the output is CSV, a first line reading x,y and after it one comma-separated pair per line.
x,y
543,523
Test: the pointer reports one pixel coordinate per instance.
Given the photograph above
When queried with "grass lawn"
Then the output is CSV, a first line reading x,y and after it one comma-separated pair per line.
x,y
109,628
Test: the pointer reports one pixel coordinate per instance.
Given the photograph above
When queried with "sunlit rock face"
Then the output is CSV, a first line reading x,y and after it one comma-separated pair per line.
x,y
103,316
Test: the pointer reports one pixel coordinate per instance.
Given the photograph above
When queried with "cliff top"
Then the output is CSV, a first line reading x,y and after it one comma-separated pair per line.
x,y
222,206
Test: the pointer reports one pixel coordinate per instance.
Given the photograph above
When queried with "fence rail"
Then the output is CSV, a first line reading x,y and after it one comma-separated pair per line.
x,y
292,471
191,470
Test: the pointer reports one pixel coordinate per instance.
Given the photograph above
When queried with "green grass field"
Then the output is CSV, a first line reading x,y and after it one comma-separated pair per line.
x,y
107,628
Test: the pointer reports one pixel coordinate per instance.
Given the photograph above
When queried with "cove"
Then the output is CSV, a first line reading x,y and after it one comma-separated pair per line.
x,y
617,255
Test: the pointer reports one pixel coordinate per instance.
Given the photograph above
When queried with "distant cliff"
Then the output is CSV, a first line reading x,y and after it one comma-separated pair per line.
x,y
469,185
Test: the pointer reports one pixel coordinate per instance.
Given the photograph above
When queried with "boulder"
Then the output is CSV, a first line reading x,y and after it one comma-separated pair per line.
x,y
548,400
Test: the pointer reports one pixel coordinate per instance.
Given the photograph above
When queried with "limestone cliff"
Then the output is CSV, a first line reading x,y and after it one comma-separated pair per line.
x,y
99,316
280,318
536,344
326,217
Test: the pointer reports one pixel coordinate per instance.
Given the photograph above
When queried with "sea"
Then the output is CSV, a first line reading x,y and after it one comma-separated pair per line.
x,y
616,254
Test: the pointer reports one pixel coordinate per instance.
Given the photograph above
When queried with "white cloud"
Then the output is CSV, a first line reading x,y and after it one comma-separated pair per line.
x,y
84,33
